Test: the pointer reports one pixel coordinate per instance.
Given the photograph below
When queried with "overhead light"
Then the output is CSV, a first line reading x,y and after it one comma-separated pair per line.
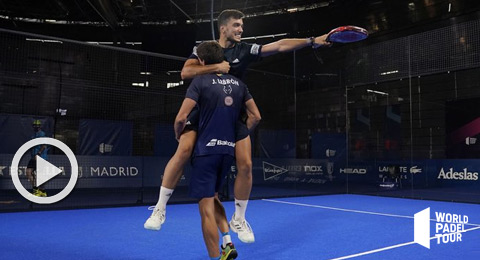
x,y
145,73
62,112
42,40
174,84
377,92
292,10
141,84
389,72
118,43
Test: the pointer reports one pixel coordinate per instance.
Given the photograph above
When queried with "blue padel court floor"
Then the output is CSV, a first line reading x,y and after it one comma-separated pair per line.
x,y
317,227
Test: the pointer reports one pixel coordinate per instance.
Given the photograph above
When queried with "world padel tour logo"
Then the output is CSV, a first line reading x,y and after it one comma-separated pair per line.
x,y
448,229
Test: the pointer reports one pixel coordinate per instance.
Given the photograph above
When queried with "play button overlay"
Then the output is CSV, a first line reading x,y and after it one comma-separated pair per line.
x,y
45,170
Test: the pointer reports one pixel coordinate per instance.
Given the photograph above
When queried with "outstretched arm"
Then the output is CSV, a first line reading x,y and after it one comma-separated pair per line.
x,y
192,68
181,119
287,45
253,113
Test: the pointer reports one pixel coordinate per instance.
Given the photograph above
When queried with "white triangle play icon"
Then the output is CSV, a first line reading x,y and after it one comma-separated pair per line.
x,y
45,171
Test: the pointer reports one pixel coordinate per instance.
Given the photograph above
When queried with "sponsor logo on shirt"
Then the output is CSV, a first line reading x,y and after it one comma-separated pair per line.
x,y
227,89
216,142
255,50
228,101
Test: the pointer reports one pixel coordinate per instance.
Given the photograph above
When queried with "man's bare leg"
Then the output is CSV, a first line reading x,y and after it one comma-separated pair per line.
x,y
174,169
220,216
243,181
209,226
242,189
30,177
228,249
172,174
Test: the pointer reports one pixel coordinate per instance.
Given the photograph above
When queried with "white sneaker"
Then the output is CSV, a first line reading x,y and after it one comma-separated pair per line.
x,y
155,221
243,229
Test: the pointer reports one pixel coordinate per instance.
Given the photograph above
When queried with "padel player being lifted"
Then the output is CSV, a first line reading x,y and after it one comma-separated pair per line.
x,y
238,55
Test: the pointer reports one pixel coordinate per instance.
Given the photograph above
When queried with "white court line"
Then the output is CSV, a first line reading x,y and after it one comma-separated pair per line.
x,y
392,247
477,226
354,211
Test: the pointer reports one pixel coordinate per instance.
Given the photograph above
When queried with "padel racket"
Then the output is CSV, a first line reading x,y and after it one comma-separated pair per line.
x,y
347,34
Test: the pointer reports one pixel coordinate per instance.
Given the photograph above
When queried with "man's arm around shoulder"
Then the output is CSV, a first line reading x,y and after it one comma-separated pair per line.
x,y
192,68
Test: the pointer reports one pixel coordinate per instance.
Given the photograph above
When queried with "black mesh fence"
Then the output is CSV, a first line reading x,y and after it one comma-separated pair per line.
x,y
394,118
412,125
450,48
103,102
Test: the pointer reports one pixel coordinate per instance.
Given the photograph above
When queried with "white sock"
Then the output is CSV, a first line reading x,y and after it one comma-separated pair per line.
x,y
240,208
226,239
165,194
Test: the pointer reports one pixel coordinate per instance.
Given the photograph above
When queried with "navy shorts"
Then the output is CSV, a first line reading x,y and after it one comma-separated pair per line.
x,y
241,130
192,120
208,174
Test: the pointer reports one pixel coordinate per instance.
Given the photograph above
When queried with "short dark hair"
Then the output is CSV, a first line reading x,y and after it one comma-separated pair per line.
x,y
226,15
210,52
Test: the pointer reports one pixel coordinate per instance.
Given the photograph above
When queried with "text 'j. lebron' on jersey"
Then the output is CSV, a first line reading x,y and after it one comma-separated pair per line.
x,y
220,97
239,56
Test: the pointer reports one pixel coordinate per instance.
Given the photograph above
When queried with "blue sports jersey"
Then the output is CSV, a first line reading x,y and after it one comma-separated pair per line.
x,y
220,97
36,148
239,56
